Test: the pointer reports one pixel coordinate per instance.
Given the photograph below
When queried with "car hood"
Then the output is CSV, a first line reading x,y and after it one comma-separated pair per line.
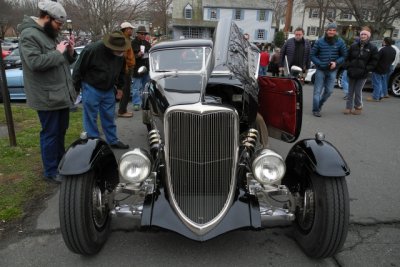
x,y
12,73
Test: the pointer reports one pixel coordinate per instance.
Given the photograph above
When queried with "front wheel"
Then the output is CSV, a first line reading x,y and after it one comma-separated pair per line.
x,y
394,85
322,215
84,213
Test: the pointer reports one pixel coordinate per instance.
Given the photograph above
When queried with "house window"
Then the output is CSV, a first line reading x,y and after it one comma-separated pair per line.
x,y
314,13
188,12
312,31
238,14
192,32
262,16
213,14
395,33
345,14
330,14
261,34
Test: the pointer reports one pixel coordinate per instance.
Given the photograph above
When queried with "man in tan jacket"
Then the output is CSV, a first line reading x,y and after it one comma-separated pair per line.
x,y
127,29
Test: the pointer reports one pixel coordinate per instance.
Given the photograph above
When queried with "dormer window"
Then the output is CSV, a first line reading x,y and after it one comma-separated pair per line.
x,y
188,12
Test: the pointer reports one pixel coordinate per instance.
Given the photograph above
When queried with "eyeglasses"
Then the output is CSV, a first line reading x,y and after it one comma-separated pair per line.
x,y
59,23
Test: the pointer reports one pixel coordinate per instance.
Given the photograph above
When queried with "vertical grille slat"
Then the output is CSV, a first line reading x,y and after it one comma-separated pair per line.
x,y
201,159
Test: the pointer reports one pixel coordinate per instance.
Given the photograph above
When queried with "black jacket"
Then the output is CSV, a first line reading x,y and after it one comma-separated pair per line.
x,y
143,60
99,67
361,59
387,55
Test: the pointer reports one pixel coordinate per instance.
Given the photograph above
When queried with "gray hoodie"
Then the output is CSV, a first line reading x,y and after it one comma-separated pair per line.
x,y
47,75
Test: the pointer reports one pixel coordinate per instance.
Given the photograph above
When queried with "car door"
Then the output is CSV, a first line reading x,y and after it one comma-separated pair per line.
x,y
281,106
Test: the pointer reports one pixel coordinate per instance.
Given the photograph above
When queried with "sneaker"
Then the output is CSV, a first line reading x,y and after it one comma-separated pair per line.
x,y
345,97
125,115
371,99
119,145
136,107
386,96
316,114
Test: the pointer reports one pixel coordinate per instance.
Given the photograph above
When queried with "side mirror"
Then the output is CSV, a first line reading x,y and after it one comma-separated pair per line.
x,y
142,70
295,71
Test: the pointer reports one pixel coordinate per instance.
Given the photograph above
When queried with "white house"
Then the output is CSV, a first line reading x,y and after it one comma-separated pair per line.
x,y
197,19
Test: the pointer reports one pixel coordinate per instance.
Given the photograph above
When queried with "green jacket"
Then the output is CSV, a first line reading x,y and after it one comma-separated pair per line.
x,y
47,75
98,67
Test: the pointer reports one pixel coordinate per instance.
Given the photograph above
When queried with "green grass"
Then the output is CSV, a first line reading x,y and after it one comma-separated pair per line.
x,y
21,166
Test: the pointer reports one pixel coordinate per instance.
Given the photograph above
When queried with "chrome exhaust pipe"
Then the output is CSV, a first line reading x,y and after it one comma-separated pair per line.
x,y
130,211
275,217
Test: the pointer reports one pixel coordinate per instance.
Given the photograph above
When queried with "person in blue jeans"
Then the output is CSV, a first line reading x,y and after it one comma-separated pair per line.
x,y
387,55
327,54
98,70
47,78
141,49
345,84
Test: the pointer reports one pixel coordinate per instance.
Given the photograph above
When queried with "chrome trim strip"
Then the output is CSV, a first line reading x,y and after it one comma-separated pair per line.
x,y
202,229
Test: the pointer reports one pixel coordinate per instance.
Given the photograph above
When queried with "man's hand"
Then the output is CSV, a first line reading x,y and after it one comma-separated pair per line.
x,y
332,65
71,45
119,94
62,46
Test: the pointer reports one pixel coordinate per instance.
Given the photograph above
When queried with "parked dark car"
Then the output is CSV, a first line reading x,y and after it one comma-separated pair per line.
x,y
13,60
208,168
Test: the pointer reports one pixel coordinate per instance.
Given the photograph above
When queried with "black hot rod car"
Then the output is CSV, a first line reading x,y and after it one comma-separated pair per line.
x,y
208,168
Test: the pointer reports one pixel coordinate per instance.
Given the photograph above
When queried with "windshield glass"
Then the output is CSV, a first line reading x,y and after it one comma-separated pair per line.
x,y
180,59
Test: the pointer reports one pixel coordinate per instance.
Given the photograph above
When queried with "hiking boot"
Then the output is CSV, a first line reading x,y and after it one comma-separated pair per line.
x,y
125,115
347,111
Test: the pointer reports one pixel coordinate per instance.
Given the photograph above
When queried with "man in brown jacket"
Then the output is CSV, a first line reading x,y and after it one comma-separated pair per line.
x,y
127,29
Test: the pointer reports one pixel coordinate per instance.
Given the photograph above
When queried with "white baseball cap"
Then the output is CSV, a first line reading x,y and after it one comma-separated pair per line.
x,y
54,9
125,25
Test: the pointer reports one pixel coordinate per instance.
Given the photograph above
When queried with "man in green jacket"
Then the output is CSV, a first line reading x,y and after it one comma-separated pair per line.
x,y
47,80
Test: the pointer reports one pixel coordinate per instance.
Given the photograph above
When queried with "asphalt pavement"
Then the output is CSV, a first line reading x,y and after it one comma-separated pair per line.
x,y
368,142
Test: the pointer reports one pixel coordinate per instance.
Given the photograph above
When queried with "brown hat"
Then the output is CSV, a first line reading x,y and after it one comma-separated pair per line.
x,y
142,29
116,41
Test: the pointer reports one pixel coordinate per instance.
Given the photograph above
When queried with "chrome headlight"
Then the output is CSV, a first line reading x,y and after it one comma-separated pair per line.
x,y
135,165
268,167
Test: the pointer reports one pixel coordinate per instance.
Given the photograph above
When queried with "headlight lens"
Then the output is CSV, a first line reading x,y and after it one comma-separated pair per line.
x,y
134,166
268,167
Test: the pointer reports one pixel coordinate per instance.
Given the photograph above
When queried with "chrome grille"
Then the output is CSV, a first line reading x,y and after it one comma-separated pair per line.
x,y
201,151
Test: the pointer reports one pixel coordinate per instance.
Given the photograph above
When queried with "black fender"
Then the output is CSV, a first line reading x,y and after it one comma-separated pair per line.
x,y
318,156
90,154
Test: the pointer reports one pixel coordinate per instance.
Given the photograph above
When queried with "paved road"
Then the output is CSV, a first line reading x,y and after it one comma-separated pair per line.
x,y
369,143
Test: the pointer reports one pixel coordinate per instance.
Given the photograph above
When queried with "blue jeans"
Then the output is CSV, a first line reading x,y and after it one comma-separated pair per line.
x,y
103,103
385,88
137,88
345,82
378,84
262,71
323,87
52,136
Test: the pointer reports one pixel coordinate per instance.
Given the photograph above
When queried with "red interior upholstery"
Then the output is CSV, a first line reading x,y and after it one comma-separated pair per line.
x,y
277,103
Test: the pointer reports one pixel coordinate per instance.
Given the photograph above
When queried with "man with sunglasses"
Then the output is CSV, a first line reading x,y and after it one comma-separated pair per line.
x,y
47,79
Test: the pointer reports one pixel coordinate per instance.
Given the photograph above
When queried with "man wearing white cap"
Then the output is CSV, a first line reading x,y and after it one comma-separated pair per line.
x,y
127,29
47,78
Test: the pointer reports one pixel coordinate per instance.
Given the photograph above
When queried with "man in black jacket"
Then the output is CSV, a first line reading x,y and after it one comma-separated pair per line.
x,y
141,49
296,51
99,68
387,54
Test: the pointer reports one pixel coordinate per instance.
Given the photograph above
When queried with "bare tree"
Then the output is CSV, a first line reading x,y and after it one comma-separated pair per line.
x,y
98,17
158,12
279,7
12,12
378,14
